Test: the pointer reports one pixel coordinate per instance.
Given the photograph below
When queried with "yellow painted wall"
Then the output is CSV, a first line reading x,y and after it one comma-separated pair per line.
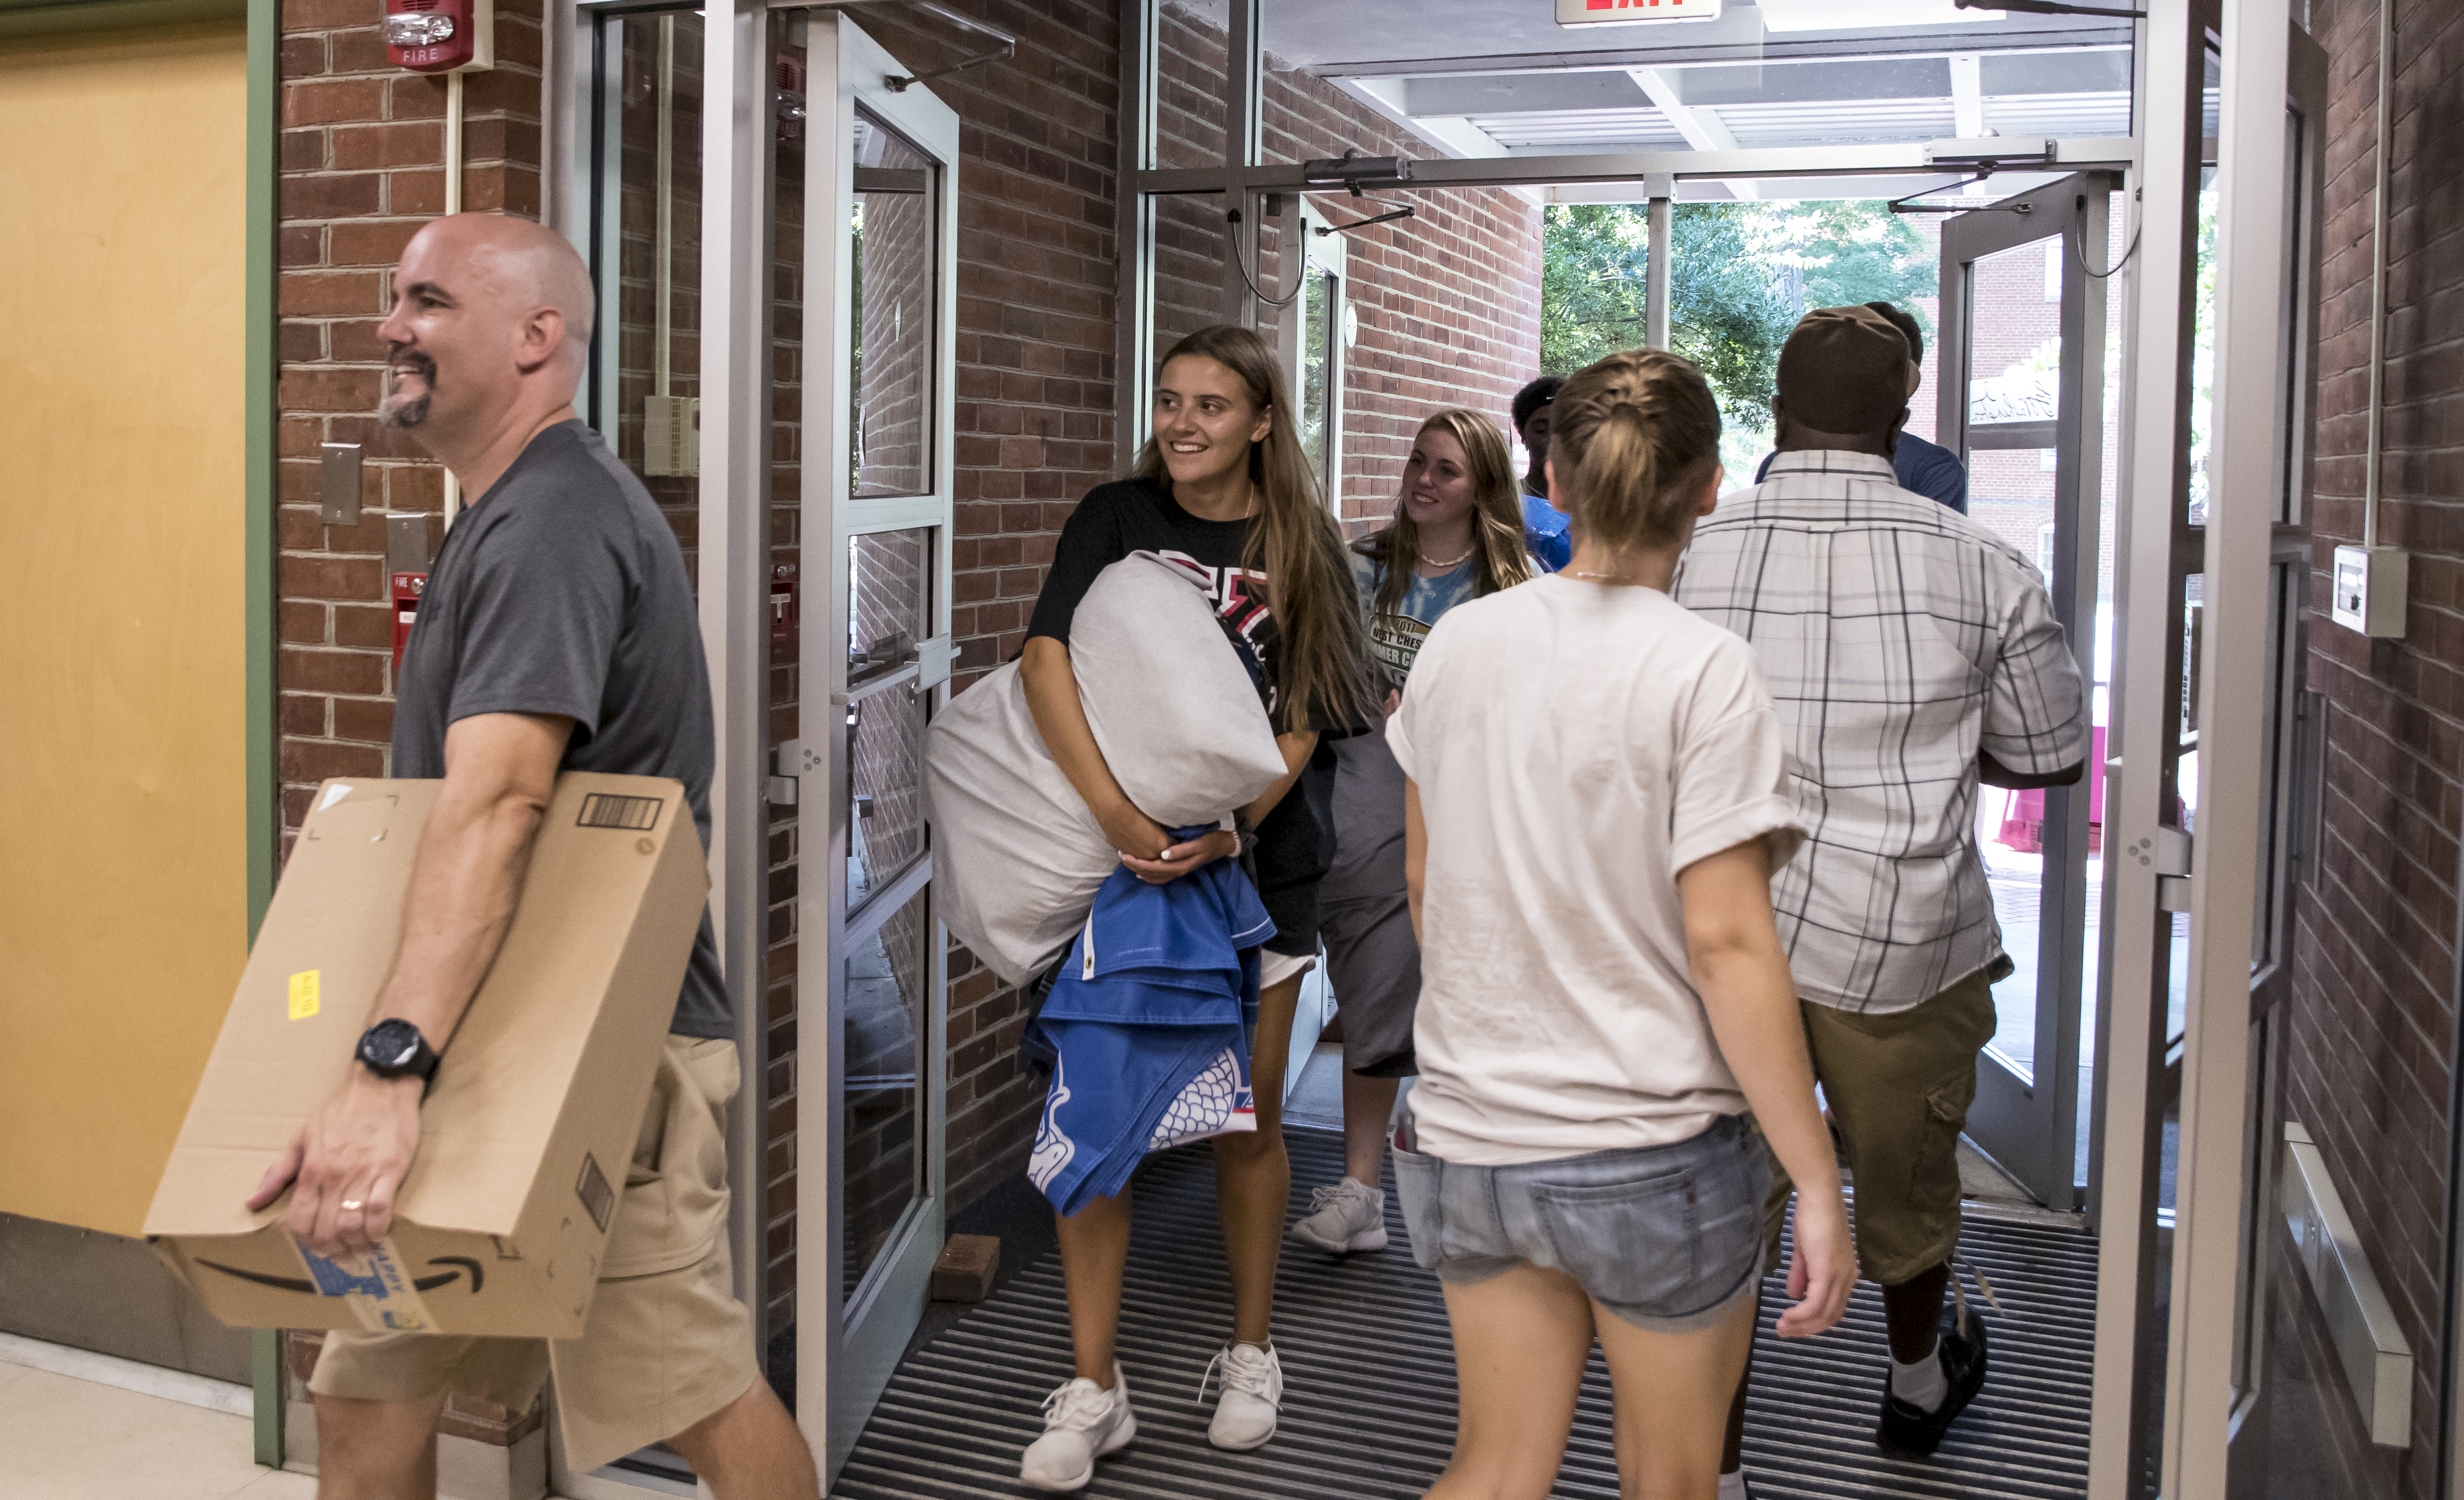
x,y
123,733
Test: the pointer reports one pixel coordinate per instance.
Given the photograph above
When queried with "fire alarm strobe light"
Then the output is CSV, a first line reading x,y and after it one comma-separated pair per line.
x,y
1634,12
440,35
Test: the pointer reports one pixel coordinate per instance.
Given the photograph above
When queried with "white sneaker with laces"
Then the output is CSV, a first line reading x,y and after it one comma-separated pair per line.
x,y
1349,1216
1253,1387
1081,1423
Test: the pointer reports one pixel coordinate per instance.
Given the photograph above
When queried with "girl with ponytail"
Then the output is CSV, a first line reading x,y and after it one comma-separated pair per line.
x,y
1594,805
1457,534
1224,490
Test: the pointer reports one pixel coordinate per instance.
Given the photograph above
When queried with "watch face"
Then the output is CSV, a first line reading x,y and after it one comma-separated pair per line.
x,y
389,1043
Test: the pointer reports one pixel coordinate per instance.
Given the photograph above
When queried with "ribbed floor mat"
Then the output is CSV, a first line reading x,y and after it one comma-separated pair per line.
x,y
1369,1406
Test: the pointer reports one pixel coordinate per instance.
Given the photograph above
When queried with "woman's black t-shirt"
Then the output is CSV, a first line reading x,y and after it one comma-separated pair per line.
x,y
1296,843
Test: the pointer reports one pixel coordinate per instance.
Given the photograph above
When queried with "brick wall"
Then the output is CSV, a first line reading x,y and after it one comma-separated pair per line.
x,y
784,845
2369,1024
363,152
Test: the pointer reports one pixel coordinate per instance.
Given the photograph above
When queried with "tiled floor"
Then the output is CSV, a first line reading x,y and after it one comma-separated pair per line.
x,y
67,1438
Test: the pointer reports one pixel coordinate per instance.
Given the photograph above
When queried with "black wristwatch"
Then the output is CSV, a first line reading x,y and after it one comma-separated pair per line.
x,y
395,1049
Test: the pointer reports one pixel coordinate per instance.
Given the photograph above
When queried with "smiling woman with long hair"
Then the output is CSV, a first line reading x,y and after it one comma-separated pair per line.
x,y
1457,534
1224,490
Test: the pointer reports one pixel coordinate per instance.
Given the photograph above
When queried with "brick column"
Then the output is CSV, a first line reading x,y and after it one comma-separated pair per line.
x,y
363,168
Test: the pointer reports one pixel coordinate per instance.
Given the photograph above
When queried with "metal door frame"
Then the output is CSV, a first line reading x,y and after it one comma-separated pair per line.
x,y
2031,1126
841,1376
835,1390
1321,255
1243,182
2166,1409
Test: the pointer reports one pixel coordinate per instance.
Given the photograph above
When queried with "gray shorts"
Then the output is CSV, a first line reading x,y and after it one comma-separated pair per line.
x,y
1665,1237
1374,963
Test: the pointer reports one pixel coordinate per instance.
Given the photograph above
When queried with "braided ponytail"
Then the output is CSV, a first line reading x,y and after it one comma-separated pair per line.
x,y
1634,439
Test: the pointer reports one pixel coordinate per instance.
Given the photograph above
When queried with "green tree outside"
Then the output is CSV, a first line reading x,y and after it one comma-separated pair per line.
x,y
1741,274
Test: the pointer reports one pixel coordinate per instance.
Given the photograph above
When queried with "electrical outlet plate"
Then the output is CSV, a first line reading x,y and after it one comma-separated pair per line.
x,y
2369,589
339,488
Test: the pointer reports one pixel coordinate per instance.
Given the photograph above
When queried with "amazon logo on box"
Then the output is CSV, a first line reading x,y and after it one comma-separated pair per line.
x,y
504,1220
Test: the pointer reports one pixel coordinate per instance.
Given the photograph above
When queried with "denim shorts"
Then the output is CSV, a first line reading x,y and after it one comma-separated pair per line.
x,y
1668,1238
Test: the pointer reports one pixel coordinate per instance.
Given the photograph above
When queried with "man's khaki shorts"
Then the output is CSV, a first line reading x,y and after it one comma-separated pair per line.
x,y
1899,1086
666,1343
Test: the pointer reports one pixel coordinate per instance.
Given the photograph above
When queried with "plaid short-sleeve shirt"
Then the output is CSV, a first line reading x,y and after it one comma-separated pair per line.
x,y
1899,639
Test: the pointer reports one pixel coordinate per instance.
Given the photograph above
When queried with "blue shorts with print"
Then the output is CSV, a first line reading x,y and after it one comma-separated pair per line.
x,y
1668,1238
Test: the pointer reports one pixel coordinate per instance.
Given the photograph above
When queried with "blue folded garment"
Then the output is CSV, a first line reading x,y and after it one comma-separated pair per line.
x,y
1148,1025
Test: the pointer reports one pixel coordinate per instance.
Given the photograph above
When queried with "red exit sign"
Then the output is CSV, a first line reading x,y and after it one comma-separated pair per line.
x,y
1634,12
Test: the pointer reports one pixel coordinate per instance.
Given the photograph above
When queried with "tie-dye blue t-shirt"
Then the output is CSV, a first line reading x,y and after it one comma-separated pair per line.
x,y
1395,636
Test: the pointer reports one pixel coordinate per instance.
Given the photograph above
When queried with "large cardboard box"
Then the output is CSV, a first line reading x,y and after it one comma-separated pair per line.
x,y
526,1137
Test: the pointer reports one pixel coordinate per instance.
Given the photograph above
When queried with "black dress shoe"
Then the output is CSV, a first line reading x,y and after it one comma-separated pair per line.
x,y
1909,1430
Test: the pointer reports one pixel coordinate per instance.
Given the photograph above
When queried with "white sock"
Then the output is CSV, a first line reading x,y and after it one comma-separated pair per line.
x,y
1732,1485
1921,1384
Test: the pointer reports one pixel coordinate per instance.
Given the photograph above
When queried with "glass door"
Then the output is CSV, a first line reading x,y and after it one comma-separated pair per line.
x,y
1309,336
871,255
2203,772
2022,393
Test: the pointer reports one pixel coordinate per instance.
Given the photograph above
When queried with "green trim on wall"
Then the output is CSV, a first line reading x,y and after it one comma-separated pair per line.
x,y
264,783
48,17
264,150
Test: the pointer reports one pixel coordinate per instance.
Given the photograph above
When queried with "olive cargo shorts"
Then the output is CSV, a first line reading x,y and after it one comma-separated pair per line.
x,y
665,1344
1899,1086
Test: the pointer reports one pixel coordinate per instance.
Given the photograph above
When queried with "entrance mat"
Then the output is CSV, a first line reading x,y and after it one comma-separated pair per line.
x,y
1369,1405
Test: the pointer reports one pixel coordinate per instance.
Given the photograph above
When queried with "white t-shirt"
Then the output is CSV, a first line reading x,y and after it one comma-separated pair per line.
x,y
1575,747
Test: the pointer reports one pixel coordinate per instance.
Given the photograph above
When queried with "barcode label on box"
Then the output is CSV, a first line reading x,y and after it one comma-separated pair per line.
x,y
597,1197
599,810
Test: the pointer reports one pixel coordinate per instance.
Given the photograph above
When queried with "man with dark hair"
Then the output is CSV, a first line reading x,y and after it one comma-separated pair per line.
x,y
1911,654
1929,469
1545,530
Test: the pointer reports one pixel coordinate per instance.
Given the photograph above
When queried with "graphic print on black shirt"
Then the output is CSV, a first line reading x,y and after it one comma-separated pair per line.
x,y
1240,601
1136,516
1295,843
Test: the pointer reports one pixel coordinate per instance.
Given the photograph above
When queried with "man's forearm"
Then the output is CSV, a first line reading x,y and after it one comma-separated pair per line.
x,y
464,886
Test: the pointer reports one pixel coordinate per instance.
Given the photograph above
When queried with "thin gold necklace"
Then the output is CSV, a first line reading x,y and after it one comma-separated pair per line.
x,y
1427,560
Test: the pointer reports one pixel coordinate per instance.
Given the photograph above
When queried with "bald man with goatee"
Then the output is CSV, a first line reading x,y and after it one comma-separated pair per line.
x,y
558,632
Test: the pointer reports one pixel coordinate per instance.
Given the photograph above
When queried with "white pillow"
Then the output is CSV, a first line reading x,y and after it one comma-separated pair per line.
x,y
1017,855
1171,704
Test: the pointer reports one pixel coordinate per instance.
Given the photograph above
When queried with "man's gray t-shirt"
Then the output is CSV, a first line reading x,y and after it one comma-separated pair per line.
x,y
562,590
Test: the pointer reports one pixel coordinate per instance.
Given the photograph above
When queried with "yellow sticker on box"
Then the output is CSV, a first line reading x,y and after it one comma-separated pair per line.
x,y
303,994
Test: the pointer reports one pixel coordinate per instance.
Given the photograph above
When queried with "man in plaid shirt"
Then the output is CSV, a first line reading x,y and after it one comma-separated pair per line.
x,y
1911,654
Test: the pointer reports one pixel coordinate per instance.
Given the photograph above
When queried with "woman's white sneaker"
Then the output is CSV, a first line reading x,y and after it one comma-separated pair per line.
x,y
1253,1389
1081,1423
1349,1216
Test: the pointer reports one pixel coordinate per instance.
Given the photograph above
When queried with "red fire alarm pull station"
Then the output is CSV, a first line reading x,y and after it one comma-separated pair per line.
x,y
407,589
411,548
440,35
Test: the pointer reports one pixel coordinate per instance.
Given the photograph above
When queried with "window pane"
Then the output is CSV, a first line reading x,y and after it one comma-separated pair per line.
x,y
647,360
883,984
891,382
889,600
